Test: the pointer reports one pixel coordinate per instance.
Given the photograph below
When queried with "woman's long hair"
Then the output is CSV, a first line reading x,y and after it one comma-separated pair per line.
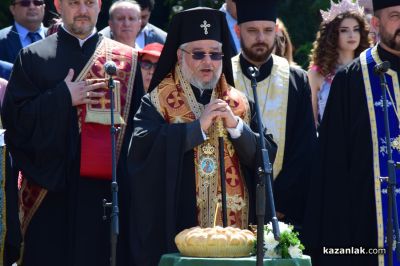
x,y
324,53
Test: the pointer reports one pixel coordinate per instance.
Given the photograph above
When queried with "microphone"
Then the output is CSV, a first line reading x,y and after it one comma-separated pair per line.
x,y
253,71
381,68
110,68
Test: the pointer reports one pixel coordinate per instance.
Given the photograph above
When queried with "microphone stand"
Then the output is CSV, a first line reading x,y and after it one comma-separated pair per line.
x,y
114,226
391,180
264,178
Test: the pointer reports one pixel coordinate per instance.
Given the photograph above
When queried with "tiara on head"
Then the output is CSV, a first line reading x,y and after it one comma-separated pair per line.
x,y
339,8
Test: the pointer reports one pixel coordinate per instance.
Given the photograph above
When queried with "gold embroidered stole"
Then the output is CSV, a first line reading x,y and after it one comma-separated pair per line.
x,y
175,101
273,95
30,198
95,119
368,59
31,195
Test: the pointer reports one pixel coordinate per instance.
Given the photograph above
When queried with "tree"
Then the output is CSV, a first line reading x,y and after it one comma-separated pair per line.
x,y
5,15
302,26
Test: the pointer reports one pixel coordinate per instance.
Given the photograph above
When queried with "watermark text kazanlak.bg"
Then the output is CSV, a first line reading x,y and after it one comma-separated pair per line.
x,y
353,251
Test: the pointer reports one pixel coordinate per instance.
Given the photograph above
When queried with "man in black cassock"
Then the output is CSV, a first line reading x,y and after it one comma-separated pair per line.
x,y
174,161
285,102
57,111
348,203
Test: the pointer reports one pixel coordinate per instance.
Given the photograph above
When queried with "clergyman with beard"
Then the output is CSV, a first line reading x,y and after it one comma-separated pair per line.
x,y
349,201
174,162
285,104
56,111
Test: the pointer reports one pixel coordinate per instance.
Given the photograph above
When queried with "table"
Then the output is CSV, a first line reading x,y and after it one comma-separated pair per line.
x,y
175,259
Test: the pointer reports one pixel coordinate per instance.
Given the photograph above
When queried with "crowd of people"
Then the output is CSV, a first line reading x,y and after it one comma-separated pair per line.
x,y
177,95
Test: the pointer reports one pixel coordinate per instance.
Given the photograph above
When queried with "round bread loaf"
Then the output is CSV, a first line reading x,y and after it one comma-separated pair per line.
x,y
215,242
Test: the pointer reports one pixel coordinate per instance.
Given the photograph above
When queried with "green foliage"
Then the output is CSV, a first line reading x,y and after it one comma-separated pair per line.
x,y
280,249
302,26
176,5
289,239
302,54
5,15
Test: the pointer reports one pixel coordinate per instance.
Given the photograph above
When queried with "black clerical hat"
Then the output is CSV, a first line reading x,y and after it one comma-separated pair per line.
x,y
251,10
381,4
194,24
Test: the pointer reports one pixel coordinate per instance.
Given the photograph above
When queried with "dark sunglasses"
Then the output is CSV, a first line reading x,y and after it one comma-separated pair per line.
x,y
28,3
147,64
216,56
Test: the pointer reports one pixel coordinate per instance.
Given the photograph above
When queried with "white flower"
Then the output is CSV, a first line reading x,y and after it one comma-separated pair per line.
x,y
269,241
274,249
282,227
270,253
295,252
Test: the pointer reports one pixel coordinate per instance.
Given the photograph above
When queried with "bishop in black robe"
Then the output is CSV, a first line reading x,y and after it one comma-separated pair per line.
x,y
167,177
161,165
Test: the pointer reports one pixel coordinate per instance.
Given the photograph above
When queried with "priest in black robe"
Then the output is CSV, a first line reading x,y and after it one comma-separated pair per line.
x,y
56,113
173,159
285,102
348,202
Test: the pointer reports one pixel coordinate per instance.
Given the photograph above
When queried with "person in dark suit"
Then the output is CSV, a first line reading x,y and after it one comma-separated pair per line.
x,y
5,69
229,8
124,22
27,28
149,33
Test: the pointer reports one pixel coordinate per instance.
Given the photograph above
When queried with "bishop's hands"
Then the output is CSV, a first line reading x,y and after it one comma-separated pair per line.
x,y
217,108
82,92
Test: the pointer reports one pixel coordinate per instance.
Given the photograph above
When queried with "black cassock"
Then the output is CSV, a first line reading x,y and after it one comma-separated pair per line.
x,y
291,185
43,138
342,210
161,163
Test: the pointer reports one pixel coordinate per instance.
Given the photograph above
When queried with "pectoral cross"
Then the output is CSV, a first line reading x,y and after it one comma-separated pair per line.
x,y
205,25
103,101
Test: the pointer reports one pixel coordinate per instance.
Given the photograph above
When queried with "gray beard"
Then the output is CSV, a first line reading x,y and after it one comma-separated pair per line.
x,y
187,74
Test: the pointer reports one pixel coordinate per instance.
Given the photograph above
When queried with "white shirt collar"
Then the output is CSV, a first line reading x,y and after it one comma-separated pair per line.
x,y
140,38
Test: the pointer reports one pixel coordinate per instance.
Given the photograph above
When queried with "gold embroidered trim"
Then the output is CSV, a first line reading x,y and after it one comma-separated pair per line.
x,y
273,95
206,156
128,101
375,148
106,46
196,108
25,218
